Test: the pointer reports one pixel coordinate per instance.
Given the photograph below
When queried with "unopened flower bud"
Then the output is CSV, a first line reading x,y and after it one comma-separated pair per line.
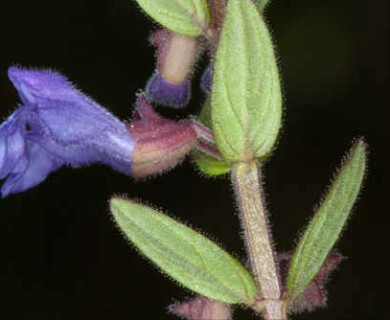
x,y
207,78
177,54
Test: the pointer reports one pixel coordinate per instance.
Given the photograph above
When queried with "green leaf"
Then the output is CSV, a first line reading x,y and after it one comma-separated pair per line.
x,y
187,256
246,97
206,164
327,223
187,17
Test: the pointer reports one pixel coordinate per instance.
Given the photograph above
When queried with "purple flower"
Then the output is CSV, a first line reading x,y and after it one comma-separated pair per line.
x,y
57,125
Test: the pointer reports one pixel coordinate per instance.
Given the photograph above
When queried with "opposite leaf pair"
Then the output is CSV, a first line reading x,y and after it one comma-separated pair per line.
x,y
201,308
205,268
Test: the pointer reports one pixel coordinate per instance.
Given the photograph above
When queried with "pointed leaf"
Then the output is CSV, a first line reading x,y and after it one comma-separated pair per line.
x,y
187,17
327,224
185,255
246,96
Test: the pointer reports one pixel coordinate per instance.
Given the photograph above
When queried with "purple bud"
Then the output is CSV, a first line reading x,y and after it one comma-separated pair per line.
x,y
207,78
168,93
176,57
201,308
57,125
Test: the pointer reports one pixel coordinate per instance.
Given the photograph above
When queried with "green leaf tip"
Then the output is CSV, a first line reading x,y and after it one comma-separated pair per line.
x,y
246,99
327,224
185,255
186,17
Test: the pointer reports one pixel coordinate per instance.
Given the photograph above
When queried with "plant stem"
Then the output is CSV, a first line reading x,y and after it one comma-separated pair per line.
x,y
217,12
248,191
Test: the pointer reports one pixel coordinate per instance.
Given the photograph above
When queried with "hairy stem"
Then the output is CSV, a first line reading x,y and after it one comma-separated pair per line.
x,y
248,191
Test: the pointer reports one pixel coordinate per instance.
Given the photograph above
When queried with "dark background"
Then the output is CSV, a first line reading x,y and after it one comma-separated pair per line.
x,y
61,257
